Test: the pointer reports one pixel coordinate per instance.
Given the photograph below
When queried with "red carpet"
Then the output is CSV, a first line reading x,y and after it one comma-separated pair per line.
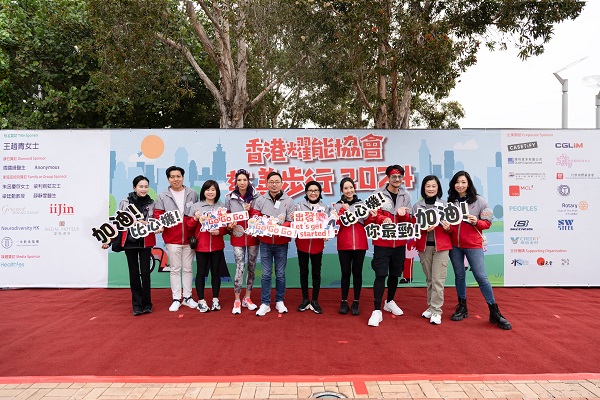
x,y
56,332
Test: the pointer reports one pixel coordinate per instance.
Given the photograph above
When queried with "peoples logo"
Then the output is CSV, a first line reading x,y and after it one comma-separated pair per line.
x,y
7,242
565,225
583,205
564,190
523,208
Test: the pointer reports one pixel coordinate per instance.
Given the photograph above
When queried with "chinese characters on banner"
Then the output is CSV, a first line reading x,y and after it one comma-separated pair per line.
x,y
311,149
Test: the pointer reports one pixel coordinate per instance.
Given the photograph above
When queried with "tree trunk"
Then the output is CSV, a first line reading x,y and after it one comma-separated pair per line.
x,y
381,116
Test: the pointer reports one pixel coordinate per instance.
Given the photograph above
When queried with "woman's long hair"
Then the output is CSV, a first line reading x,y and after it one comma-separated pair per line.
x,y
471,191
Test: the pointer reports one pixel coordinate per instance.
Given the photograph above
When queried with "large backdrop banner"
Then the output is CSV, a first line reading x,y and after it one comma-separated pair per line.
x,y
57,186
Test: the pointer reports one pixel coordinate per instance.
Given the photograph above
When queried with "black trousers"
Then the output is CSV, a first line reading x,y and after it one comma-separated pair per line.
x,y
351,263
387,262
315,261
205,261
138,262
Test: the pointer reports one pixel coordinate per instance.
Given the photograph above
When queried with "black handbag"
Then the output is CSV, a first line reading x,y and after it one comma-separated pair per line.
x,y
193,242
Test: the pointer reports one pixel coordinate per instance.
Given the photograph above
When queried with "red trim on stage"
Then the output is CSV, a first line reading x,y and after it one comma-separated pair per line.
x,y
357,380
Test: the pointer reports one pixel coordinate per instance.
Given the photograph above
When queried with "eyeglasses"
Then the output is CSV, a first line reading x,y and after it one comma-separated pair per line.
x,y
396,177
313,191
274,182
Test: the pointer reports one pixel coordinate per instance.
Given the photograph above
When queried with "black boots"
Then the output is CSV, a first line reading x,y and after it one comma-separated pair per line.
x,y
460,311
497,318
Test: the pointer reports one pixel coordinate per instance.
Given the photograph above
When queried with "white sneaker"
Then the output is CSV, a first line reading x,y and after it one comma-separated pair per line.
x,y
237,307
263,310
376,318
392,307
188,301
175,305
216,306
427,313
247,302
281,307
435,319
202,306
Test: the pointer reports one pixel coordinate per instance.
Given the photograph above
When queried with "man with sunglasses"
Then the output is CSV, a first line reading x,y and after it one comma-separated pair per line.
x,y
389,255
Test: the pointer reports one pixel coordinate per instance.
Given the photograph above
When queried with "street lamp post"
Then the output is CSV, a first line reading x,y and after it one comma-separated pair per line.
x,y
565,93
565,101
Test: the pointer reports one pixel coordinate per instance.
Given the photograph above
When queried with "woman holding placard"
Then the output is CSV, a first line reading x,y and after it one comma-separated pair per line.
x,y
138,251
210,243
433,246
311,249
352,245
467,241
239,200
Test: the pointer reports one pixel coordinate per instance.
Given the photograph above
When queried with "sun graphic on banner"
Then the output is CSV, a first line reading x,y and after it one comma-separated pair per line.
x,y
152,146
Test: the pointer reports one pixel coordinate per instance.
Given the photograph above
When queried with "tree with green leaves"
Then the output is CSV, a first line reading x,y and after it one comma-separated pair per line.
x,y
217,39
49,76
383,61
44,72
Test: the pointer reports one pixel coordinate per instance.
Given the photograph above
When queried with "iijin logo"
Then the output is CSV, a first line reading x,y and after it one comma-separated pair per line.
x,y
61,209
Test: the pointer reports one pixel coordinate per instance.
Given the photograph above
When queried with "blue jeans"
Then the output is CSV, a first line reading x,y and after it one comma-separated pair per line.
x,y
476,261
273,254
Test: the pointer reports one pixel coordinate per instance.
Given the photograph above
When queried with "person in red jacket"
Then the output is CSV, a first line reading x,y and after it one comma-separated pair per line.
x,y
433,246
177,197
209,249
311,250
352,245
273,249
138,251
389,254
467,241
240,199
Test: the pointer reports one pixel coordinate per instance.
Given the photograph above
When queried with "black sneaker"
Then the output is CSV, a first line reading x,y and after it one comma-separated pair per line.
x,y
137,311
316,307
344,308
355,310
305,305
147,309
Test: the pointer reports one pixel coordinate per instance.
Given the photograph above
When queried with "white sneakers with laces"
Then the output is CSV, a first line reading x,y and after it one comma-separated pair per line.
x,y
435,319
202,306
427,313
175,305
247,302
279,306
392,307
263,310
237,307
376,318
188,301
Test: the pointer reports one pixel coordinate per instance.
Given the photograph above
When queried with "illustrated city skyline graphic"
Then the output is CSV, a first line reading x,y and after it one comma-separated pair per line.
x,y
121,175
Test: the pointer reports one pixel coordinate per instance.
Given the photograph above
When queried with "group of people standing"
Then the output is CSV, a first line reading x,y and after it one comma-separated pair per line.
x,y
435,245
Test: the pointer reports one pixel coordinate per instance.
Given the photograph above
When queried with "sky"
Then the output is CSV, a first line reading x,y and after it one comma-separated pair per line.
x,y
501,91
